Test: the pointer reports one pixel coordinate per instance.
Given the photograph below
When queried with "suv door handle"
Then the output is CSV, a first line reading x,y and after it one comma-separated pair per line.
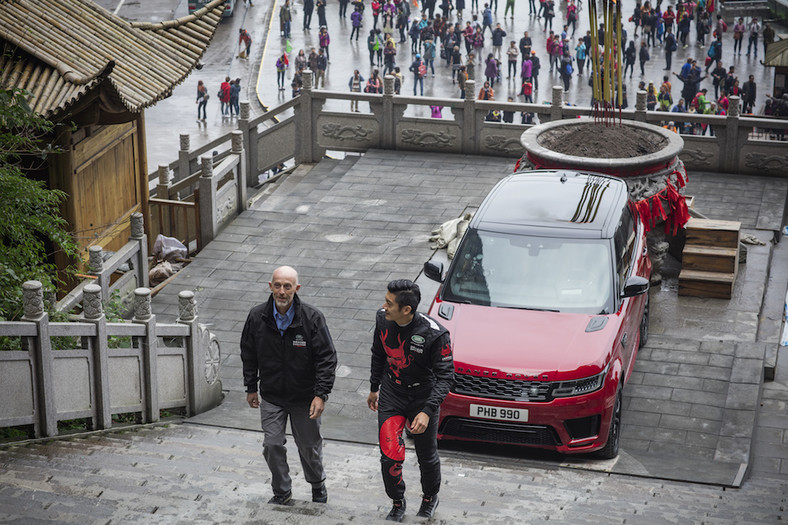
x,y
624,340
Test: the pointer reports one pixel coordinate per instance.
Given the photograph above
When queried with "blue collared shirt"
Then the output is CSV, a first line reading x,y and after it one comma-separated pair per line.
x,y
284,321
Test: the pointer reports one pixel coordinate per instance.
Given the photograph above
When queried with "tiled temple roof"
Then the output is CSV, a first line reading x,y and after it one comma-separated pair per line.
x,y
60,50
777,54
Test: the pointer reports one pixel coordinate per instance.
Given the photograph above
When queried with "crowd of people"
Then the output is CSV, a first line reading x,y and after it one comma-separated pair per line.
x,y
473,45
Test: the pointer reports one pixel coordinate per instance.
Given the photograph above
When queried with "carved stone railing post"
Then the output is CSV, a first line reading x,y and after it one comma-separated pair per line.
x,y
150,353
203,357
33,308
305,137
96,267
207,200
729,143
184,165
249,143
93,312
469,123
141,259
557,104
163,187
640,106
96,259
386,120
241,178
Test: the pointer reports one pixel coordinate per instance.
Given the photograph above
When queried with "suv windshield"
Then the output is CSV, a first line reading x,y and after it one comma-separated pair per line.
x,y
539,273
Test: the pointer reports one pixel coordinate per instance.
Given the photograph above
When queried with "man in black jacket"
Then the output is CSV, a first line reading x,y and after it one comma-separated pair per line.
x,y
288,354
411,373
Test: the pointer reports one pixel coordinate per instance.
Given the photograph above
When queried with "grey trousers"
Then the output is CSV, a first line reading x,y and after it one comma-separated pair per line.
x,y
306,433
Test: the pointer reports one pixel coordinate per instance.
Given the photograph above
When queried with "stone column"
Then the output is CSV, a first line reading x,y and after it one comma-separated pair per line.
x,y
203,357
557,104
249,143
96,259
150,354
33,308
470,126
730,147
96,267
207,201
93,312
640,106
238,149
163,187
304,150
388,131
141,260
184,166
187,314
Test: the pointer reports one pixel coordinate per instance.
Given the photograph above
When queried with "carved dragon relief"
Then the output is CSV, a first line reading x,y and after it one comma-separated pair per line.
x,y
696,157
433,139
762,161
502,144
342,133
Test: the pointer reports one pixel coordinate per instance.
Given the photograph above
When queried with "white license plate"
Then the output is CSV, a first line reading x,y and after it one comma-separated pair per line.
x,y
500,413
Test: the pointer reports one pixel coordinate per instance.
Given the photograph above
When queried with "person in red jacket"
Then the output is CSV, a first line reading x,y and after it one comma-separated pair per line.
x,y
224,96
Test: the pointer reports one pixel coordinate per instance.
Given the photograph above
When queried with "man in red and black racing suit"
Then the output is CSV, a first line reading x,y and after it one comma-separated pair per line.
x,y
412,371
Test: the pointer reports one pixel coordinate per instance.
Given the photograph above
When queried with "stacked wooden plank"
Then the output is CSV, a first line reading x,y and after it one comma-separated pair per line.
x,y
710,258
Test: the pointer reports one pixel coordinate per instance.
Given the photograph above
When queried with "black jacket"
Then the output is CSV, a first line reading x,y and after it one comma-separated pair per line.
x,y
415,359
292,368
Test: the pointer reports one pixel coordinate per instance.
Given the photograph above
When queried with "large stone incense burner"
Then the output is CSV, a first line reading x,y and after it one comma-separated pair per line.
x,y
645,156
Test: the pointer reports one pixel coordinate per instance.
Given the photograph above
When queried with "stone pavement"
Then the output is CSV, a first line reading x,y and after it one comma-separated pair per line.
x,y
350,226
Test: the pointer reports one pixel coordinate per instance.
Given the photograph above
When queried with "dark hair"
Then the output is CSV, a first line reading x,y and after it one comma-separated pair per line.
x,y
406,293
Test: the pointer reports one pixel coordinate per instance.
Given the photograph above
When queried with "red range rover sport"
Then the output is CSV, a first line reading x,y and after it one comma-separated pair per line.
x,y
547,301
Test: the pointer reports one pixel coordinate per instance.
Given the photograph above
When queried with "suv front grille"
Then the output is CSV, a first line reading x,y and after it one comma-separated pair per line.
x,y
500,432
506,389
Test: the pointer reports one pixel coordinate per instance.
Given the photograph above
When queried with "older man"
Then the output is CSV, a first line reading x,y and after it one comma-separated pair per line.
x,y
288,355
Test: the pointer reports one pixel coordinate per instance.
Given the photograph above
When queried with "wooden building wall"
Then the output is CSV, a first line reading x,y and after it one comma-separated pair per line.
x,y
102,172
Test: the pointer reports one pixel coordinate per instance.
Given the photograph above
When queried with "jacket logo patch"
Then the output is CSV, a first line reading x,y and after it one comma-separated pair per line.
x,y
417,344
299,341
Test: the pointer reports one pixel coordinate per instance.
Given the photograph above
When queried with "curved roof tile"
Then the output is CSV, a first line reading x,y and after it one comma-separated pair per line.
x,y
59,50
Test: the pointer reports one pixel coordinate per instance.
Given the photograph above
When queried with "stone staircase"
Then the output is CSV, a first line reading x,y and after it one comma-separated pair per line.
x,y
710,259
185,474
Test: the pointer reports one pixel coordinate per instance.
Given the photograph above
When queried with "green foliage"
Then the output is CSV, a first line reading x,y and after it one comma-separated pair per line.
x,y
17,433
114,310
30,221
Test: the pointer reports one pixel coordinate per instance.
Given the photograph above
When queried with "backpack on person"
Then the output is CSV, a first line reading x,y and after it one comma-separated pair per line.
x,y
422,70
695,103
673,45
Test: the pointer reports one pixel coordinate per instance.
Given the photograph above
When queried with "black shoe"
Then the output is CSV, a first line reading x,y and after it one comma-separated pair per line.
x,y
397,511
284,499
320,494
428,506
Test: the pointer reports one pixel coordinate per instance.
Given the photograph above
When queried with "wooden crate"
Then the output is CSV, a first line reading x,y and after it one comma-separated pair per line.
x,y
706,284
710,258
709,232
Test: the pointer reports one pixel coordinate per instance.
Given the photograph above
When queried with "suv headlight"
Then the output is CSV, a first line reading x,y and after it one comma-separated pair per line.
x,y
579,387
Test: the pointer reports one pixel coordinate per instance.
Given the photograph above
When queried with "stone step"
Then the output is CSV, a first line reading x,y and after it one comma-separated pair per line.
x,y
195,474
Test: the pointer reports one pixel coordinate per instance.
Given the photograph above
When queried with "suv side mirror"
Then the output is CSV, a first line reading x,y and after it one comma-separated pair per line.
x,y
636,285
434,271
